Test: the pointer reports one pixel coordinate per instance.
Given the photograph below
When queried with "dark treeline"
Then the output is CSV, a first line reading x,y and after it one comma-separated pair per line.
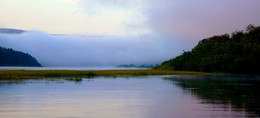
x,y
11,31
238,53
10,57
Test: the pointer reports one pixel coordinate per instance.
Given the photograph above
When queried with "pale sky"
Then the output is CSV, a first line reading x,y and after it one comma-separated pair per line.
x,y
194,19
91,17
125,31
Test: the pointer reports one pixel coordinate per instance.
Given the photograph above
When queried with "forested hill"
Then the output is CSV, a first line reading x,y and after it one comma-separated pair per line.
x,y
9,57
238,53
11,31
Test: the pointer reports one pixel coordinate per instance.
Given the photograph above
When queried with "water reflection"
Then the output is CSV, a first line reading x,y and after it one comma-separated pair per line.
x,y
225,92
132,97
94,98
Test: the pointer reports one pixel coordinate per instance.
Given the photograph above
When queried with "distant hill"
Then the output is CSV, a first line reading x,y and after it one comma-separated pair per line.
x,y
11,31
238,53
10,57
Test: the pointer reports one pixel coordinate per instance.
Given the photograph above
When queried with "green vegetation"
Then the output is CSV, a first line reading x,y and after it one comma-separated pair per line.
x,y
24,74
238,53
10,57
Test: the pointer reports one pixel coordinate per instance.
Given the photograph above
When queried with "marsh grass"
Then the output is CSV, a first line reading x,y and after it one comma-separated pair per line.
x,y
24,74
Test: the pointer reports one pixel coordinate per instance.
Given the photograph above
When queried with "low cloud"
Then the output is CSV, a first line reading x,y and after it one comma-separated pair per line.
x,y
77,50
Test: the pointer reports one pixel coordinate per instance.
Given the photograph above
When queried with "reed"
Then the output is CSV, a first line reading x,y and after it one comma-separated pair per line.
x,y
23,74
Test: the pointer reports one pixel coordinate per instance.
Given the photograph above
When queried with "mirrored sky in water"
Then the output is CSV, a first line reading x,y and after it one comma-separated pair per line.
x,y
139,97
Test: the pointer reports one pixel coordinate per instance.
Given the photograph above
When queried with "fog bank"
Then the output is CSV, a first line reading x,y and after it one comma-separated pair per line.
x,y
78,50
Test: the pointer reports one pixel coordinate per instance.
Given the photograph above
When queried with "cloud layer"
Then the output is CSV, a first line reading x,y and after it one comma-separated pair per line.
x,y
189,19
76,50
132,31
197,19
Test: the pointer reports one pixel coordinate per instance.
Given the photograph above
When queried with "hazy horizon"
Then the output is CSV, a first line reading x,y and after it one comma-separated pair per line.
x,y
115,32
76,50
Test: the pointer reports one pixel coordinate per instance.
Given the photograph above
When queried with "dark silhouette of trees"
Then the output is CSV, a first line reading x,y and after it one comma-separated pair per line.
x,y
10,57
238,53
240,92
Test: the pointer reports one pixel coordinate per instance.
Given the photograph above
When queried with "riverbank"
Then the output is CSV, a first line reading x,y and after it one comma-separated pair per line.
x,y
24,74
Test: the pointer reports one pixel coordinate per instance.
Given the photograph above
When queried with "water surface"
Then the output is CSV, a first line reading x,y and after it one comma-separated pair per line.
x,y
178,96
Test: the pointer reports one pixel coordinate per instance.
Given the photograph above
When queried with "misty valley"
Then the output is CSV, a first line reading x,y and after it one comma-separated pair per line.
x,y
201,83
129,59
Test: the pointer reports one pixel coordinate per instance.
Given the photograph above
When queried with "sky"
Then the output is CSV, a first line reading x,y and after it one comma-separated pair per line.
x,y
119,31
76,50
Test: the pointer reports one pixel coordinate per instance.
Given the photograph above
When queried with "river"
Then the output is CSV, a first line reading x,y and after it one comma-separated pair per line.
x,y
175,96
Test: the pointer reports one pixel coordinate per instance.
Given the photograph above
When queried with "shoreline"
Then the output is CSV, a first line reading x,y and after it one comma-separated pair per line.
x,y
29,74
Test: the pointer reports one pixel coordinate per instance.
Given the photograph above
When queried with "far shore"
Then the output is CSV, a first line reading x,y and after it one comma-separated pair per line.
x,y
29,74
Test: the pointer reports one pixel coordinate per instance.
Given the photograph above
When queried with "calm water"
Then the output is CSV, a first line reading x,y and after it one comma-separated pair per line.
x,y
233,96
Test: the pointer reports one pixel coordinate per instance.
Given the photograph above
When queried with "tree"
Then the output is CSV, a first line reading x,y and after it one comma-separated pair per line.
x,y
239,53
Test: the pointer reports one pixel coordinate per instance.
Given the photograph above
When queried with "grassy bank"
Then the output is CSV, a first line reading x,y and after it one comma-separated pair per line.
x,y
23,74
